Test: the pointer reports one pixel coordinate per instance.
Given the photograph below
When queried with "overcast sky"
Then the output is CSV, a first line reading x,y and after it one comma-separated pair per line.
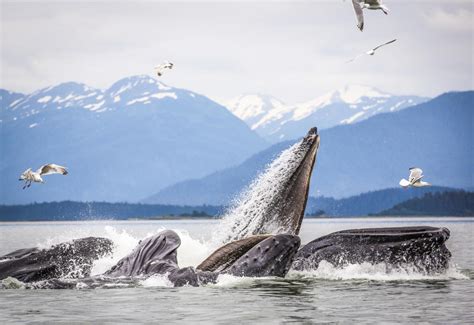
x,y
294,51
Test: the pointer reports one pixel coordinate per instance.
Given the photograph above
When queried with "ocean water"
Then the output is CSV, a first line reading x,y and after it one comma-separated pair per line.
x,y
354,294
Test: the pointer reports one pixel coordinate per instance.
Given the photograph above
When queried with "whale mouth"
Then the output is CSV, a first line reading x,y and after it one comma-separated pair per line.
x,y
302,176
275,202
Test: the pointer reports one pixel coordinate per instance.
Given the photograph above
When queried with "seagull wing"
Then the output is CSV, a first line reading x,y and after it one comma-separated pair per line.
x,y
52,169
415,175
165,65
375,48
404,183
359,14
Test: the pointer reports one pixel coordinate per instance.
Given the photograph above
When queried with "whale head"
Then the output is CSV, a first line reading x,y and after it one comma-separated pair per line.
x,y
271,257
291,202
256,256
421,247
155,254
275,202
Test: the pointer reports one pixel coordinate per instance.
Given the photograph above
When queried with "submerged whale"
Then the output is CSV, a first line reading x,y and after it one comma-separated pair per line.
x,y
422,248
72,259
261,240
257,256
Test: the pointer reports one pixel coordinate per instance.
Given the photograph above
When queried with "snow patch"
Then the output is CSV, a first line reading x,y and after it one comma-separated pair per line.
x,y
123,88
354,93
94,107
164,95
44,99
16,102
138,100
352,118
253,107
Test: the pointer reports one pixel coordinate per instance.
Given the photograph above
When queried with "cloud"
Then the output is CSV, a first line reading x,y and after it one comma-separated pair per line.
x,y
291,50
459,20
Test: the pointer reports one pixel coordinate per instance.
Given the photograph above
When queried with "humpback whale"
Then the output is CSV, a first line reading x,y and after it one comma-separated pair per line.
x,y
262,240
73,259
279,195
270,255
420,247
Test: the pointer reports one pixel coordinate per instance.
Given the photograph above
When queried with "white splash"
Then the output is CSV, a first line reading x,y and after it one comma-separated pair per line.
x,y
248,213
190,253
156,281
375,272
124,244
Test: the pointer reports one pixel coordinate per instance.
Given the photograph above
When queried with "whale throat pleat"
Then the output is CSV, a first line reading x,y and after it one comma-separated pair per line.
x,y
225,256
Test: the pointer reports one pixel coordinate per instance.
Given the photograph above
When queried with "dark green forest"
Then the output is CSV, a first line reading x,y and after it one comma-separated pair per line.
x,y
70,210
454,203
433,201
367,203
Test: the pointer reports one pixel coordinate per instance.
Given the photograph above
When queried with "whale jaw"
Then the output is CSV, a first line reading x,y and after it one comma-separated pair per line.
x,y
271,257
422,248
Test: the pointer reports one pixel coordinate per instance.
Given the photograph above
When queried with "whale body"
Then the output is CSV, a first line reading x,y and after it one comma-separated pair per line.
x,y
155,255
420,247
73,259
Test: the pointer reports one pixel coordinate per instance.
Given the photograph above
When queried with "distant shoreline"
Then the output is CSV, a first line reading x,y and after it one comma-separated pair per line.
x,y
190,218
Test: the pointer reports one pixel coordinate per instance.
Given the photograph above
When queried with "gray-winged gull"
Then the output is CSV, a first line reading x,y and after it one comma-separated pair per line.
x,y
30,176
162,67
359,5
372,51
416,174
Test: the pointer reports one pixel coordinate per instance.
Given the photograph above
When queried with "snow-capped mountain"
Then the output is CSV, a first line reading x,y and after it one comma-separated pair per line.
x,y
127,92
120,143
251,108
344,106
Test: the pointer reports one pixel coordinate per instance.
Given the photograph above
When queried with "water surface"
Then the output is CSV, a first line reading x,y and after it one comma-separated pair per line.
x,y
357,293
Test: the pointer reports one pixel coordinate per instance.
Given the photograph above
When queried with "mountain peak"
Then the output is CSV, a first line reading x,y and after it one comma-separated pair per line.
x,y
70,87
143,83
250,106
352,103
352,94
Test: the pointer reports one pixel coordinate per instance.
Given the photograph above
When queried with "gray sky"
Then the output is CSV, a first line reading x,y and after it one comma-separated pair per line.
x,y
292,50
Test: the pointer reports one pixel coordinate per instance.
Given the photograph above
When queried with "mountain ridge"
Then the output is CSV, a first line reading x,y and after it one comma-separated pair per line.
x,y
116,148
350,104
441,127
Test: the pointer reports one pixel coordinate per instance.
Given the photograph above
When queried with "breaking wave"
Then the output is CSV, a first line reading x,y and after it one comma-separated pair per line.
x,y
375,272
247,213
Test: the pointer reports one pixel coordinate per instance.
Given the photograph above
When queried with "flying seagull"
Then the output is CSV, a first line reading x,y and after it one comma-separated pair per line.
x,y
416,174
359,5
30,176
372,51
162,67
